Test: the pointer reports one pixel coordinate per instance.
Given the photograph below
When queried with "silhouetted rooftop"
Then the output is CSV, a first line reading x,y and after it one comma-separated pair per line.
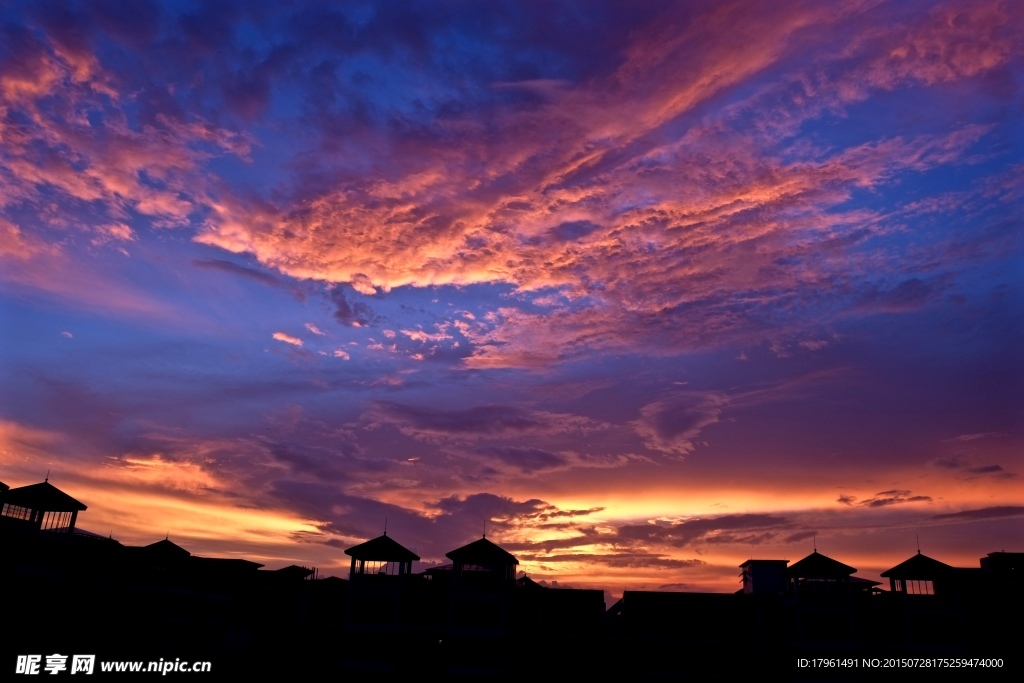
x,y
224,564
42,496
293,571
818,566
919,567
167,550
382,549
764,562
529,584
483,553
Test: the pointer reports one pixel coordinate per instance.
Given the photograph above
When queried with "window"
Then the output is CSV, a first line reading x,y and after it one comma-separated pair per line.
x,y
16,511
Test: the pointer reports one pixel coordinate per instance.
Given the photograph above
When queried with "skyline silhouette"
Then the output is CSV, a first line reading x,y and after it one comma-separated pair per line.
x,y
160,604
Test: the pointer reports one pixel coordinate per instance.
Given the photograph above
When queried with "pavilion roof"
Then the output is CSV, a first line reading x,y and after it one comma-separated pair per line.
x,y
382,549
918,567
166,549
483,553
42,496
818,566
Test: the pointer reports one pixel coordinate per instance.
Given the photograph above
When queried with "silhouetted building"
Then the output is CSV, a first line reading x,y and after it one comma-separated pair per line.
x,y
381,556
819,575
295,572
1004,566
165,552
42,506
483,562
919,575
764,577
472,618
379,595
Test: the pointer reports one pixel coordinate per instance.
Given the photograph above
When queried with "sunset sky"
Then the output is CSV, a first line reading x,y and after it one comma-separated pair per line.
x,y
641,289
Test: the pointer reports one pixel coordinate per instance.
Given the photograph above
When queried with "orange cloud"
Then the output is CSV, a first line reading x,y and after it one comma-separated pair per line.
x,y
287,339
619,224
80,146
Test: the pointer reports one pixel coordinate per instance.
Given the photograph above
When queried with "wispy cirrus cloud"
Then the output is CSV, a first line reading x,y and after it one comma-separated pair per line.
x,y
740,528
884,498
995,512
492,421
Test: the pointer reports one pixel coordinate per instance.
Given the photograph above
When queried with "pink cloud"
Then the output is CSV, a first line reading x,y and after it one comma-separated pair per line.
x,y
287,339
659,205
80,145
590,192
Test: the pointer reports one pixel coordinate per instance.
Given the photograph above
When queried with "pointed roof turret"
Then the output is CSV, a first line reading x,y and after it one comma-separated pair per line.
x,y
42,496
382,549
818,566
41,506
381,556
483,553
919,568
166,550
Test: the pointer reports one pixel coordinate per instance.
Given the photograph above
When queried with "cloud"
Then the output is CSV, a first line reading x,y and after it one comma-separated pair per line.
x,y
978,435
696,224
987,469
503,511
350,314
437,528
673,425
423,337
814,344
968,465
334,465
799,536
287,339
480,422
314,329
637,560
884,498
81,148
741,528
997,512
908,295
235,269
58,274
526,459
114,232
652,208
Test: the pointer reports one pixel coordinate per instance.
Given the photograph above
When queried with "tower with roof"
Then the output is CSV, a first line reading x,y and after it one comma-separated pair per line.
x,y
820,575
381,556
919,575
483,561
42,506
